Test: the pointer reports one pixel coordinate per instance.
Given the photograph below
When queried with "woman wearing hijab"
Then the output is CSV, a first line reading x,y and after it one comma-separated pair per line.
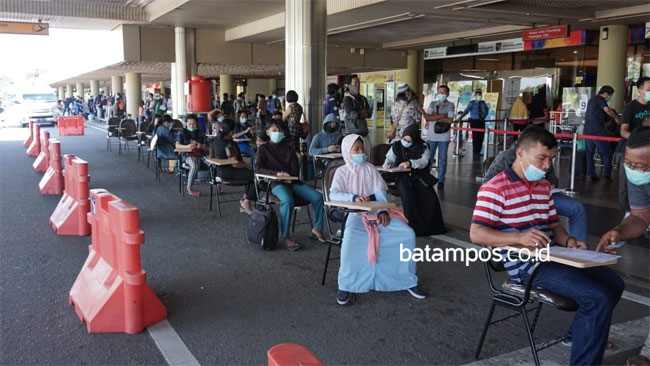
x,y
406,111
226,148
421,205
370,253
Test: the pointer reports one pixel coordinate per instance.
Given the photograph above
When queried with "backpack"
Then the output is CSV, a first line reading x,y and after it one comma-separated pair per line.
x,y
263,228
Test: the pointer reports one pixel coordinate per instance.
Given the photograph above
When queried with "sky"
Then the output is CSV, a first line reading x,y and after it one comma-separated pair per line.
x,y
62,54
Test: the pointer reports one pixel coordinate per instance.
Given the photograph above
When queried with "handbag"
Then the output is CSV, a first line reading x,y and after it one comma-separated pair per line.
x,y
441,127
393,127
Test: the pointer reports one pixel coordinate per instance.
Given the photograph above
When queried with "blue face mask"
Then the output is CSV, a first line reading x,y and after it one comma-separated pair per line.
x,y
358,158
479,98
191,129
532,173
243,120
276,136
220,119
406,144
636,177
441,97
646,95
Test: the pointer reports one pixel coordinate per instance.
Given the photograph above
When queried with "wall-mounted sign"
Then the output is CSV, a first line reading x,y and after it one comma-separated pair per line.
x,y
433,53
557,31
42,29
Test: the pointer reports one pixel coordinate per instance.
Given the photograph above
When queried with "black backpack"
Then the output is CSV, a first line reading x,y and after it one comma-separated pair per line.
x,y
263,228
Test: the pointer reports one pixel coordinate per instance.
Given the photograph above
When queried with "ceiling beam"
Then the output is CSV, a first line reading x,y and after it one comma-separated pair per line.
x,y
77,9
159,8
455,36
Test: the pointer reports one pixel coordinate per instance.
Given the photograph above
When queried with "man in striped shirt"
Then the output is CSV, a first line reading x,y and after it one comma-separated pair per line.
x,y
515,207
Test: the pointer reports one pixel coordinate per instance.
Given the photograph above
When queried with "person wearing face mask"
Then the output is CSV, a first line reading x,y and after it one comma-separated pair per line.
x,y
406,111
357,110
637,169
191,137
216,116
420,201
439,116
225,148
597,112
478,111
633,115
327,141
363,269
243,130
516,208
278,158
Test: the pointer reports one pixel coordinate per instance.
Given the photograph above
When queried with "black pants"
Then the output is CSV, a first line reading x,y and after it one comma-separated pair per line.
x,y
246,175
477,137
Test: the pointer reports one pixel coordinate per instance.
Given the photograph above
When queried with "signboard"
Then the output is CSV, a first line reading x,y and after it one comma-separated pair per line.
x,y
433,53
484,48
42,29
558,31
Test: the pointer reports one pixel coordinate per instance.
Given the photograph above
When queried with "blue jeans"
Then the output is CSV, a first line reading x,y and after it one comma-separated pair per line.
x,y
596,291
575,211
605,150
248,149
285,194
442,147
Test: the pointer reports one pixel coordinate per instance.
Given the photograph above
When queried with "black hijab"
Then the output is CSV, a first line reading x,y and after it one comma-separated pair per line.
x,y
415,151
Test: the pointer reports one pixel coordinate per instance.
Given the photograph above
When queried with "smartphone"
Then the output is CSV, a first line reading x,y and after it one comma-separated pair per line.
x,y
616,245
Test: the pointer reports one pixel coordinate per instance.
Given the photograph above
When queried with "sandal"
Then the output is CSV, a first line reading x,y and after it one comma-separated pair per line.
x,y
314,236
610,346
290,244
194,193
243,208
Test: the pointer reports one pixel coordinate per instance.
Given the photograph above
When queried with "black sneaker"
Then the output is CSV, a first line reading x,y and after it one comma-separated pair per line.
x,y
415,292
594,179
342,297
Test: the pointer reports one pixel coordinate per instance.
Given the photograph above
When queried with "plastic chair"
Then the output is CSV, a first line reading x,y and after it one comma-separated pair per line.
x,y
377,157
143,139
216,182
298,202
332,215
112,131
515,297
127,132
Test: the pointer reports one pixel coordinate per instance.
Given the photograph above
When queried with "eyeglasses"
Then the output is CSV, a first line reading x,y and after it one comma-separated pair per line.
x,y
637,167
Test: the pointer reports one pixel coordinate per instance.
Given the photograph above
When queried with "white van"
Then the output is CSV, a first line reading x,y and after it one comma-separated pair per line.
x,y
39,107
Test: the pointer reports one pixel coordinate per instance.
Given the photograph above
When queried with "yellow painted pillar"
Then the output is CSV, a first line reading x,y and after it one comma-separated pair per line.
x,y
611,62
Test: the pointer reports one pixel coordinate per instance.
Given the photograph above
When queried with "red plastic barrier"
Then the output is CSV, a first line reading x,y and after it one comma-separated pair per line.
x,y
30,138
111,293
291,354
70,215
35,147
52,181
43,160
70,125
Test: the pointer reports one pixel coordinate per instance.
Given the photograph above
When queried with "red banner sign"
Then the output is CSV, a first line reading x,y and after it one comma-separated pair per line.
x,y
558,31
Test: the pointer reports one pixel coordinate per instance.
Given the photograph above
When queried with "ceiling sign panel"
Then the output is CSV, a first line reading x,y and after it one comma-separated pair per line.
x,y
558,31
42,29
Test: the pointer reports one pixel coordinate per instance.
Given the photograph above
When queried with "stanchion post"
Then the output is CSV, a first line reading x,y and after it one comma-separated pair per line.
x,y
574,148
486,137
505,135
458,137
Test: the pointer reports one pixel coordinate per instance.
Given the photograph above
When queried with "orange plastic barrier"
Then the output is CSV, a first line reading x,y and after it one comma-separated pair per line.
x,y
111,292
291,354
70,125
43,160
70,215
35,147
52,181
30,138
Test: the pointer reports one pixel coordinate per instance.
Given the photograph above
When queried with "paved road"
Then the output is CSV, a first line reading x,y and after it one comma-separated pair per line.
x,y
229,303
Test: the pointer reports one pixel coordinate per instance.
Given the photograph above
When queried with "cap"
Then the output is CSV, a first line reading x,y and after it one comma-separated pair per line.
x,y
402,88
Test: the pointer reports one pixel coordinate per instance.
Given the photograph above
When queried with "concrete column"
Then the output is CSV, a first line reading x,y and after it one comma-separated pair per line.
x,y
611,62
226,85
68,91
133,94
273,85
94,88
80,90
411,74
306,55
61,93
179,69
116,85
